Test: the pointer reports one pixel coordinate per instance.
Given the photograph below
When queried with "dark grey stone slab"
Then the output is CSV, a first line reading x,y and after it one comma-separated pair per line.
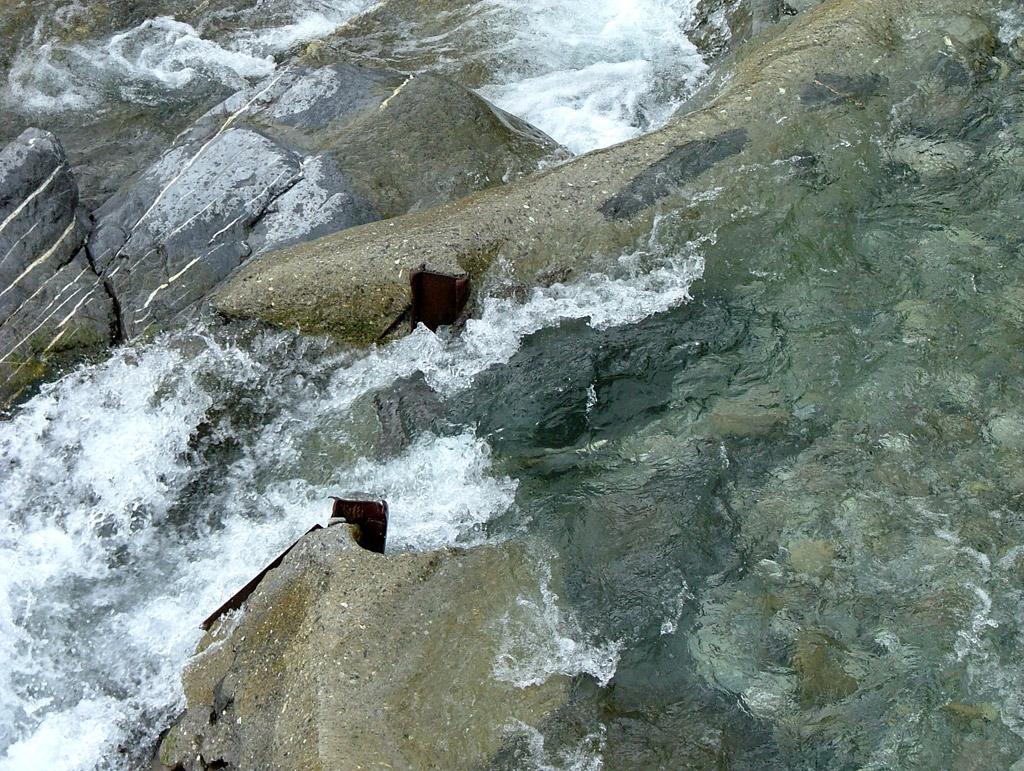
x,y
51,301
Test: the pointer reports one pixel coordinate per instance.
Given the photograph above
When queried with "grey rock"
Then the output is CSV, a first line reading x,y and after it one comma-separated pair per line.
x,y
50,299
343,658
38,198
672,172
799,6
302,155
320,203
441,142
182,227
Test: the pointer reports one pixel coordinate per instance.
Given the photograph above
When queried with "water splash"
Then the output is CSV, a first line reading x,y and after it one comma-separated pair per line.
x,y
592,74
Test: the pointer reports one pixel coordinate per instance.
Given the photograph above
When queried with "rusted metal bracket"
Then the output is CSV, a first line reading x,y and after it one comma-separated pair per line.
x,y
370,521
437,298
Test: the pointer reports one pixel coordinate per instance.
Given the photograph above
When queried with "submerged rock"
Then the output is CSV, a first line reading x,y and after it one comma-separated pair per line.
x,y
50,298
347,659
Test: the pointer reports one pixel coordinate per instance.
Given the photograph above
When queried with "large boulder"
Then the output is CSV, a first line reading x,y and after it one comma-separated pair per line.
x,y
183,226
50,298
839,66
306,153
345,658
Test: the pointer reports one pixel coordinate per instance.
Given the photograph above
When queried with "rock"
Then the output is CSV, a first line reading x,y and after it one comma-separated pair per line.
x,y
754,412
722,25
296,157
672,172
442,141
930,157
1007,431
818,660
355,284
51,301
184,225
347,659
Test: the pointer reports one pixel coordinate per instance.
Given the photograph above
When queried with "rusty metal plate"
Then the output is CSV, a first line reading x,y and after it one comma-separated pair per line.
x,y
243,594
370,517
437,298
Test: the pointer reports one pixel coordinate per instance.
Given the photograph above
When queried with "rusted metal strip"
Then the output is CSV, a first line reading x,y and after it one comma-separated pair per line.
x,y
437,299
370,519
243,594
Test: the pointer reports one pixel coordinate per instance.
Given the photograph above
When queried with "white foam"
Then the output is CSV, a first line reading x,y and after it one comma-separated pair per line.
x,y
152,63
73,739
585,755
111,560
163,60
102,594
540,640
597,106
174,53
439,492
1012,24
591,73
307,26
624,295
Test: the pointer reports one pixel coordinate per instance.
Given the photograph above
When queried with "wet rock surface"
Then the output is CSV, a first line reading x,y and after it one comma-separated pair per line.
x,y
50,298
347,659
866,614
354,285
668,175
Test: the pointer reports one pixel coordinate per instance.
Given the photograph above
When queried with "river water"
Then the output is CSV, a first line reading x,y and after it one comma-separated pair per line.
x,y
786,516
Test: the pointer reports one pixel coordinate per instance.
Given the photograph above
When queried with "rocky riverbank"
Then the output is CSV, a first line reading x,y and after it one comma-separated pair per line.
x,y
348,659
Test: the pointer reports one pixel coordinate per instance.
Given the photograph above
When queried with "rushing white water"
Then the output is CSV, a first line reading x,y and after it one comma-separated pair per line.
x,y
592,74
163,60
139,493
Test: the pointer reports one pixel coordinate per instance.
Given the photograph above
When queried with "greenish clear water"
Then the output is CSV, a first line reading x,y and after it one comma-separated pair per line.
x,y
788,511
818,461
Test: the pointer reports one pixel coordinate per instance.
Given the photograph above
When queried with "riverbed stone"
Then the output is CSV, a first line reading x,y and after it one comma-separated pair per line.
x,y
344,658
51,301
754,412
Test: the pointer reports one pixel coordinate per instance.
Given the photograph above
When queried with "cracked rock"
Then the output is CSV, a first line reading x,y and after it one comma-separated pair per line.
x,y
51,301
